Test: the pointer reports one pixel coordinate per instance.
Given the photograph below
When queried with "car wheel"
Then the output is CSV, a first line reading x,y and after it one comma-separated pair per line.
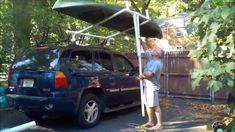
x,y
89,111
34,115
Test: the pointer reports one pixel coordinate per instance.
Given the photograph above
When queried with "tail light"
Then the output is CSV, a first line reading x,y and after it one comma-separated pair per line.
x,y
60,80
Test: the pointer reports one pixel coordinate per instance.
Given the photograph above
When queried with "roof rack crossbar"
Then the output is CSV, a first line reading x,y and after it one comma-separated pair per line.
x,y
104,37
138,14
129,29
103,21
107,19
85,34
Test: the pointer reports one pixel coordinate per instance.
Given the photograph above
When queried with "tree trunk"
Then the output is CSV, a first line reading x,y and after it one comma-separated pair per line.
x,y
21,23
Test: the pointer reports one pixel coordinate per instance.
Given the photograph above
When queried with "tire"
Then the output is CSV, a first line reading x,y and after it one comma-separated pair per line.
x,y
34,115
89,111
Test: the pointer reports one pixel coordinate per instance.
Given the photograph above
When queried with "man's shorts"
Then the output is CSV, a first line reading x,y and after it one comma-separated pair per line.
x,y
151,93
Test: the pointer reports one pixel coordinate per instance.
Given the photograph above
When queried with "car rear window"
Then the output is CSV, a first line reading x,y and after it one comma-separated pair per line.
x,y
37,59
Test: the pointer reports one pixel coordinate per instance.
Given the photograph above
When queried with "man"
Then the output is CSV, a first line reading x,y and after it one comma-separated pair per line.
x,y
151,80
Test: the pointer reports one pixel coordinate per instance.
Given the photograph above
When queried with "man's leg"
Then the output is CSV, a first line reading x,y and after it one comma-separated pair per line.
x,y
150,112
158,113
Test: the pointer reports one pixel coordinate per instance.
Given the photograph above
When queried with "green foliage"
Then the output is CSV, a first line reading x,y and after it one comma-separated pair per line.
x,y
167,8
216,31
5,36
26,23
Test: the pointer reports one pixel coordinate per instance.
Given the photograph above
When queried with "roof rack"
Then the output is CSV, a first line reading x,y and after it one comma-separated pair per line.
x,y
127,9
136,21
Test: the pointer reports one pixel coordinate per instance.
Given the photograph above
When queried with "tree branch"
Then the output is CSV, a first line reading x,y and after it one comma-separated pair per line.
x,y
44,35
145,6
60,32
135,6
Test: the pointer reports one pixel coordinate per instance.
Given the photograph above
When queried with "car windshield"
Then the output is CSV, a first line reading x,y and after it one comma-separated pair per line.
x,y
38,59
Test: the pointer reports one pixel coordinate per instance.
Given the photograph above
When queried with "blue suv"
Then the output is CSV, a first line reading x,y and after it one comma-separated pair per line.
x,y
81,81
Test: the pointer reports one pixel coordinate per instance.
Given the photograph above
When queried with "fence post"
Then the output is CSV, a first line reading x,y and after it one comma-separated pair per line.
x,y
167,63
212,94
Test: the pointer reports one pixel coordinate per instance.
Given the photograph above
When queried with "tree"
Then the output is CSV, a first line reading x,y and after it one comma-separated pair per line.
x,y
144,5
5,35
21,23
27,23
214,25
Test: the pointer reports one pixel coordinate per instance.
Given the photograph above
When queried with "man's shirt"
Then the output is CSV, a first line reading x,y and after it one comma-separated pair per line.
x,y
155,67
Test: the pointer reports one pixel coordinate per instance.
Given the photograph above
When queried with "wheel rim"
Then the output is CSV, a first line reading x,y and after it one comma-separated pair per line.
x,y
91,111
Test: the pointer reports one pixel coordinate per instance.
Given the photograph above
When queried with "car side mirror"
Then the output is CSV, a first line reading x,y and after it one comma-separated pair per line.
x,y
137,68
133,71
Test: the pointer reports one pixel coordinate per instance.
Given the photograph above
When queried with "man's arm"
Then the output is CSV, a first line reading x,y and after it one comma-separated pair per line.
x,y
144,45
160,72
152,70
146,75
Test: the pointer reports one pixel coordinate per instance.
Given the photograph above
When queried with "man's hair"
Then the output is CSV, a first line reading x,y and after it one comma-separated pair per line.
x,y
159,51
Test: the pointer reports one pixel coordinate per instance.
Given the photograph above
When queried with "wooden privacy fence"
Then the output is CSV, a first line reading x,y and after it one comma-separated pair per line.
x,y
176,77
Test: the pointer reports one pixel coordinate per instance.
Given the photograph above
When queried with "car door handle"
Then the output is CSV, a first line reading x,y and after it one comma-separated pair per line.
x,y
111,78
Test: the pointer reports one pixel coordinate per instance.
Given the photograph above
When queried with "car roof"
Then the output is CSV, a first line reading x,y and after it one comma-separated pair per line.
x,y
80,47
91,48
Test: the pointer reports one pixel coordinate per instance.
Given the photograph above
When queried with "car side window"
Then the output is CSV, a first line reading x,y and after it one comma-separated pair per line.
x,y
81,61
103,62
122,64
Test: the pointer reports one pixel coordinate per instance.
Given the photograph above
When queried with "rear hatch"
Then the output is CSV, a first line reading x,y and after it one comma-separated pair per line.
x,y
33,72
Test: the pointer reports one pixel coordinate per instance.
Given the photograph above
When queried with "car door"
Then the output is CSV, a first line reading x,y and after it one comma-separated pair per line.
x,y
129,83
110,82
80,69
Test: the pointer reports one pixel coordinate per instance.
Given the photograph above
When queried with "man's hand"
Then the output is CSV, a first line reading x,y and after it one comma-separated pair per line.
x,y
143,43
145,75
141,77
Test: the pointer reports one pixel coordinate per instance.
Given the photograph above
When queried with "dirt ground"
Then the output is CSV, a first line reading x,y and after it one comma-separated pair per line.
x,y
194,108
204,111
